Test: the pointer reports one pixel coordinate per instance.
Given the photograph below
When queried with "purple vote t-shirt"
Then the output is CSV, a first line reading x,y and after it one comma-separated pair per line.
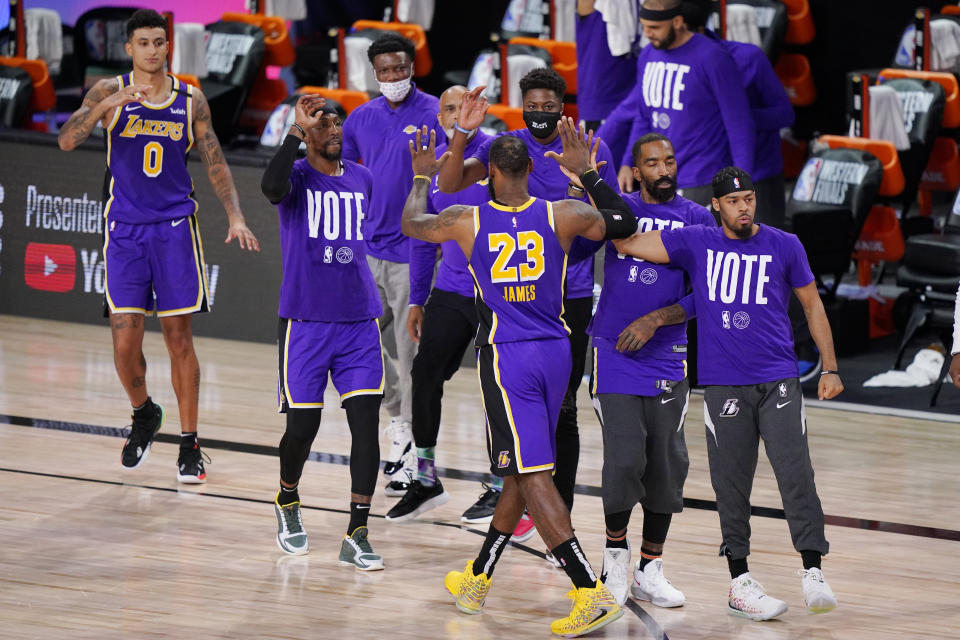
x,y
326,277
548,182
452,274
742,290
694,95
379,136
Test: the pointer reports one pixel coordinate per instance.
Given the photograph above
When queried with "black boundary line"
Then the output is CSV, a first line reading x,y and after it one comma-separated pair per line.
x,y
655,631
477,476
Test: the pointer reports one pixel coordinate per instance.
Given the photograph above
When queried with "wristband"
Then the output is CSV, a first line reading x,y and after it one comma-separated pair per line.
x,y
423,177
300,129
462,130
827,372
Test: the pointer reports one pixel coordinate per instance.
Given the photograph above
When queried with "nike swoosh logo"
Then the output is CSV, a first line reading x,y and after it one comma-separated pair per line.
x,y
363,506
176,222
132,107
665,401
780,406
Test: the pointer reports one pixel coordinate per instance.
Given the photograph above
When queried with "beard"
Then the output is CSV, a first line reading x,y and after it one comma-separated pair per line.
x,y
743,232
326,153
663,189
669,40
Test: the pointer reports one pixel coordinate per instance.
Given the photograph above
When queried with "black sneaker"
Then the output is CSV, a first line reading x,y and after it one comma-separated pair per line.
x,y
137,447
190,466
482,510
416,500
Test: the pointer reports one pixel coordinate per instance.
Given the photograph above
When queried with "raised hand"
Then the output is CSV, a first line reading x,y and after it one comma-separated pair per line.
x,y
132,93
308,112
424,156
576,155
473,109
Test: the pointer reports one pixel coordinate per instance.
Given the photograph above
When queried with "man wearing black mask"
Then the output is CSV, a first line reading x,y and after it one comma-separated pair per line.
x,y
542,92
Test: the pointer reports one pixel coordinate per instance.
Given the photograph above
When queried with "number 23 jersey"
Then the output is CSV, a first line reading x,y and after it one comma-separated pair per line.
x,y
518,267
147,147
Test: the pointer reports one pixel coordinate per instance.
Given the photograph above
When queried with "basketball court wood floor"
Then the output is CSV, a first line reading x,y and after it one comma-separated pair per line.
x,y
90,551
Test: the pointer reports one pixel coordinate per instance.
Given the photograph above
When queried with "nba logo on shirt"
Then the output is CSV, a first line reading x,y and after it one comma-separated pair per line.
x,y
730,408
327,255
503,460
514,222
725,316
783,390
633,273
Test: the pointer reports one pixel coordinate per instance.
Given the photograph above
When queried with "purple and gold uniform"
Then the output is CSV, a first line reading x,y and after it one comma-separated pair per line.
x,y
523,359
152,246
328,300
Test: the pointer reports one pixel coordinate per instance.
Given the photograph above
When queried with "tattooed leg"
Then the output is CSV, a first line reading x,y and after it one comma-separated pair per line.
x,y
184,368
127,331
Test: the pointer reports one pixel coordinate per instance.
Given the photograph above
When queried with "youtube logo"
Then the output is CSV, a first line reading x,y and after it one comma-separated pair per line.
x,y
50,267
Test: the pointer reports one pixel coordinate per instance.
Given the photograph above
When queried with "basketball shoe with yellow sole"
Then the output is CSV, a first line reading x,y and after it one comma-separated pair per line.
x,y
593,607
469,590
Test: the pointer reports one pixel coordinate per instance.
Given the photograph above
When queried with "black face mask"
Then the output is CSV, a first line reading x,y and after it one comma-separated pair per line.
x,y
541,124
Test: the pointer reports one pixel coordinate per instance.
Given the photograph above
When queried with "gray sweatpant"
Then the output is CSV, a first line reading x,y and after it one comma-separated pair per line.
x,y
736,418
644,451
393,283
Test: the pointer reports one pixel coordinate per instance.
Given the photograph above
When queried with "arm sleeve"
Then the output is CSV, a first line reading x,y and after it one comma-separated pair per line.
x,y
774,111
688,305
275,183
350,151
617,215
734,108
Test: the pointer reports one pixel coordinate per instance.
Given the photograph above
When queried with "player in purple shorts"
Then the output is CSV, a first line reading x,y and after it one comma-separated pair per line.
x,y
516,247
153,256
743,275
328,318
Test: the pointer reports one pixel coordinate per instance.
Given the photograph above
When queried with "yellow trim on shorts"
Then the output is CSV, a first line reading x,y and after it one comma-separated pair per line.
x,y
114,309
383,374
502,207
595,376
513,426
201,275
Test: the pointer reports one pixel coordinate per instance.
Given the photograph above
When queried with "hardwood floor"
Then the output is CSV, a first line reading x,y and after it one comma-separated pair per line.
x,y
90,551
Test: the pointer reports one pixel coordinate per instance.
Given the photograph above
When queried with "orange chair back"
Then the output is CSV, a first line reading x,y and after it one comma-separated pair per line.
x,y
349,99
279,49
422,63
794,72
562,54
893,181
951,111
44,97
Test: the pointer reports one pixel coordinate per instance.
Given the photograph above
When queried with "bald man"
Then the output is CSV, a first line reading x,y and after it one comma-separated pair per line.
x,y
689,89
444,324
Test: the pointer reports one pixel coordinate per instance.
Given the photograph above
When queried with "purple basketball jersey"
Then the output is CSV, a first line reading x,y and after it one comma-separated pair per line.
x,y
325,273
519,269
147,148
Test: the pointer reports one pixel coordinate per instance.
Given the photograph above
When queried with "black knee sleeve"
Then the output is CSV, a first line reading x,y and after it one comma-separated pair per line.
x,y
363,416
302,427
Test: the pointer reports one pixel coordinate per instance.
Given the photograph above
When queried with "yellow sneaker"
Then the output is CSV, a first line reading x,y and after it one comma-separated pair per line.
x,y
469,590
593,608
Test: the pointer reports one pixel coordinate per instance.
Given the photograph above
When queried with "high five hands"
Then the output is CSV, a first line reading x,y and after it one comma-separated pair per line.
x,y
579,150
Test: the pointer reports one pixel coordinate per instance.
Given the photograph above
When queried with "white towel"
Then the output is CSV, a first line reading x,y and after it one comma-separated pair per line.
x,y
517,66
417,11
742,24
886,117
923,371
621,19
287,9
565,20
360,76
945,38
189,49
44,37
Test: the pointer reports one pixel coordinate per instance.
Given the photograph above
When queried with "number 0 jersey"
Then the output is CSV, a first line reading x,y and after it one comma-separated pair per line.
x,y
147,147
519,267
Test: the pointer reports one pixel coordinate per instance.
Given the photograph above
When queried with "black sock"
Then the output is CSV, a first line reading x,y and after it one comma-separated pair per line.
x,y
811,559
288,495
655,526
144,411
188,440
493,546
617,543
738,566
573,561
359,512
617,522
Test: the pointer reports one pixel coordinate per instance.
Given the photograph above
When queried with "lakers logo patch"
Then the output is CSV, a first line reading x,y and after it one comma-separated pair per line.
x,y
410,128
503,460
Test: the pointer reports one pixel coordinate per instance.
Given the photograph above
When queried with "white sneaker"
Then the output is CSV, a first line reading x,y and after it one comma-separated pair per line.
x,y
816,592
399,482
650,584
747,599
401,443
616,572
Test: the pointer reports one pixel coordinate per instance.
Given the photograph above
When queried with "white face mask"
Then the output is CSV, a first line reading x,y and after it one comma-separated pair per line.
x,y
395,91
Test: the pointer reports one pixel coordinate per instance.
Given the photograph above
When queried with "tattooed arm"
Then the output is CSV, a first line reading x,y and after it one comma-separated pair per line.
x,y
98,106
219,173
